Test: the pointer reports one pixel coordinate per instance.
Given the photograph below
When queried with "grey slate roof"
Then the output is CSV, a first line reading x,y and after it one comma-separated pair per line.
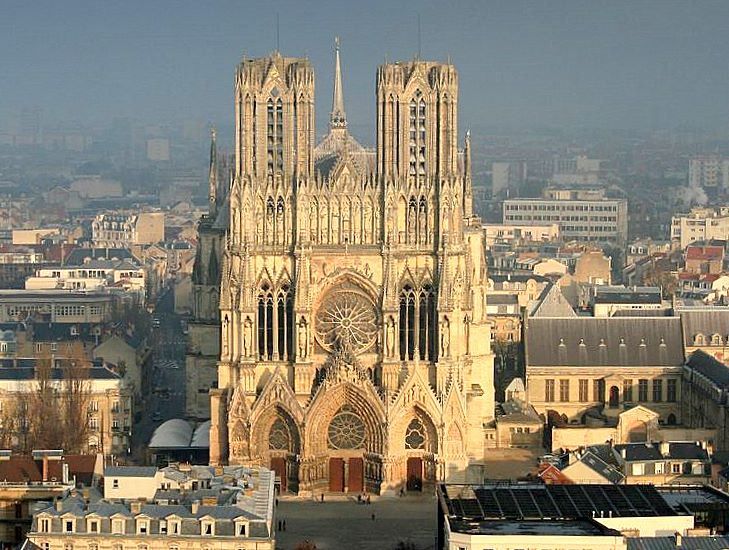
x,y
680,450
552,303
502,299
622,295
24,369
611,341
706,321
597,465
714,370
687,543
77,256
639,451
130,471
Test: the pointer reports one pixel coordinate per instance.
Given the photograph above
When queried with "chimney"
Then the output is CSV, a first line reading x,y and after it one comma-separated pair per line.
x,y
59,505
679,539
665,448
45,467
194,506
135,506
624,452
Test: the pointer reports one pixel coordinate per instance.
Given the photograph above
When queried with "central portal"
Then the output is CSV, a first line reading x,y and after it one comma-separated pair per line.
x,y
346,475
336,475
355,479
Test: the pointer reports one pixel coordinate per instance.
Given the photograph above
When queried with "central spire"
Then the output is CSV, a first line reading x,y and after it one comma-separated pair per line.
x,y
338,118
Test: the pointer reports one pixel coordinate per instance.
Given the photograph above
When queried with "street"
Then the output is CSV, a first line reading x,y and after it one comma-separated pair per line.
x,y
163,397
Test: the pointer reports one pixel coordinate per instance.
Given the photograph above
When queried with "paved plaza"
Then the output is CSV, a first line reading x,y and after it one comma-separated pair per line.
x,y
340,523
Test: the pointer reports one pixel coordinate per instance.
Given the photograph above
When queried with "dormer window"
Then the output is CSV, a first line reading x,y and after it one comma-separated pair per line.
x,y
142,526
716,340
92,525
117,526
207,527
174,527
699,340
44,525
241,528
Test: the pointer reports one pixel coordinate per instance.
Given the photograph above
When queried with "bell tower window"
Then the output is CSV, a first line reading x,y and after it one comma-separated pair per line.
x,y
417,135
417,324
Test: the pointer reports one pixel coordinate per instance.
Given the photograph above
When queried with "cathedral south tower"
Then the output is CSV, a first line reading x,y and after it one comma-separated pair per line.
x,y
354,345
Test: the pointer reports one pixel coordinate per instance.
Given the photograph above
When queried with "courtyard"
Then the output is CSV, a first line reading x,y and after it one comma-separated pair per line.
x,y
340,522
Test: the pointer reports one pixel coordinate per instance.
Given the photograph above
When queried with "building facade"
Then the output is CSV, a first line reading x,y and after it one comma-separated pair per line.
x,y
124,230
194,509
582,215
355,345
701,224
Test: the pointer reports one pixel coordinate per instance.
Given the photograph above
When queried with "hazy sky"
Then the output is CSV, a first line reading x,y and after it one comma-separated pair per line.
x,y
619,64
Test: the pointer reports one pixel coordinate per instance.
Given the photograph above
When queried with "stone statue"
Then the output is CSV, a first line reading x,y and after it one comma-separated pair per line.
x,y
303,337
247,337
445,338
224,333
390,337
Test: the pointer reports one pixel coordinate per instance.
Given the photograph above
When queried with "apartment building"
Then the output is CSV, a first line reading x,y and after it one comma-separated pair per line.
x,y
582,215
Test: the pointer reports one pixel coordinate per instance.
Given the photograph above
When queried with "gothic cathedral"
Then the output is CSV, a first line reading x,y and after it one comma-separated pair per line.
x,y
355,349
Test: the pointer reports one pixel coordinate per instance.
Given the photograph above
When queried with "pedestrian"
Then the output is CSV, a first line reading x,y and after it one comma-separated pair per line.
x,y
373,516
284,525
322,497
359,498
368,501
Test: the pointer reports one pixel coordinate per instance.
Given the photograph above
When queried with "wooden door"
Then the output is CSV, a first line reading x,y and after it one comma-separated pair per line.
x,y
278,465
355,479
336,475
415,474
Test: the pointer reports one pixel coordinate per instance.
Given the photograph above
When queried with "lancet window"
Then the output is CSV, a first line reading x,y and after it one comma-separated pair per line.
x,y
417,135
275,324
418,324
274,131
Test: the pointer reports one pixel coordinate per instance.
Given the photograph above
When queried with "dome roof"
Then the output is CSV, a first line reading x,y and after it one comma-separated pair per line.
x,y
173,433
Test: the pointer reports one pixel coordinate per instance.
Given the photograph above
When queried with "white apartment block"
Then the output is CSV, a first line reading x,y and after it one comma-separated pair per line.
x,y
96,274
701,224
582,215
709,171
502,233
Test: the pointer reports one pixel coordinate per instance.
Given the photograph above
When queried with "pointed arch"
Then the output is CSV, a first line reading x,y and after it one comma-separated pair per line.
x,y
360,401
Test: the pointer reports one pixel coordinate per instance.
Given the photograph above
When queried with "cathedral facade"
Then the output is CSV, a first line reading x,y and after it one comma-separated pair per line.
x,y
354,344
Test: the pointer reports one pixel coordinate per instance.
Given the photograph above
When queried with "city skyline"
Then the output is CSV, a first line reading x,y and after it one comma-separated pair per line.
x,y
522,65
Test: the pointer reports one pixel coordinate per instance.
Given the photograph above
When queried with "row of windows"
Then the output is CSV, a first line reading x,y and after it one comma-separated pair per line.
x,y
562,207
143,526
598,391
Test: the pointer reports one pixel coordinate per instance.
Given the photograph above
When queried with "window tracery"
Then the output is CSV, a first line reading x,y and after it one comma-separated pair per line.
x,y
418,323
279,436
415,435
275,323
346,314
346,430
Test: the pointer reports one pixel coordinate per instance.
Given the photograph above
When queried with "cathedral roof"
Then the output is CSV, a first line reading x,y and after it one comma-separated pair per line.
x,y
339,143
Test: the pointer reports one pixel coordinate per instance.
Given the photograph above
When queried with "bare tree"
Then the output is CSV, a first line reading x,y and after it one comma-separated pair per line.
x,y
9,423
40,419
75,400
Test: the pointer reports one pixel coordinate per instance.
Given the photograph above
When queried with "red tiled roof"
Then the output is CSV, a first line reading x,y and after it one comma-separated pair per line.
x,y
704,252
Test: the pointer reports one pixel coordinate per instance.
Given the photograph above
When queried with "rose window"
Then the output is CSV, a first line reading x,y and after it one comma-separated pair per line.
x,y
346,431
346,316
415,435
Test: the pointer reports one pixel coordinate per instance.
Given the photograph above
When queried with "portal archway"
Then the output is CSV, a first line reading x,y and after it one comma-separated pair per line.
x,y
277,445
